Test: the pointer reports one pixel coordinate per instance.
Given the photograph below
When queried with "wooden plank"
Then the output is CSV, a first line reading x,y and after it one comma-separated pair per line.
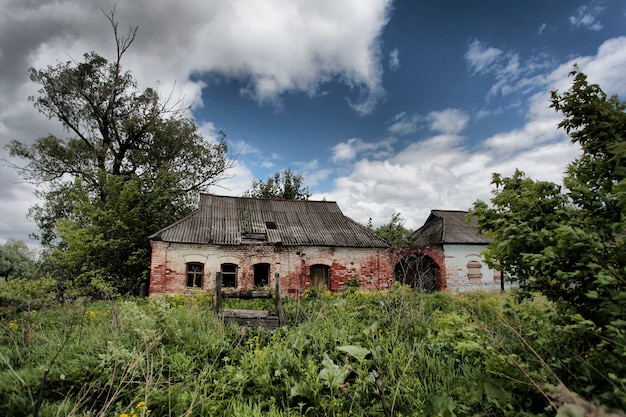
x,y
278,304
265,323
247,294
250,314
218,293
269,319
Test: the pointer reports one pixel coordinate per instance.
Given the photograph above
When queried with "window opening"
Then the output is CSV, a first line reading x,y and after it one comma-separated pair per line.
x,y
320,276
261,275
417,271
195,274
229,275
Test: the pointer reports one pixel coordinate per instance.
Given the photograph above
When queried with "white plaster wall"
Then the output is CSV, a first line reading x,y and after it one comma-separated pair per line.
x,y
456,258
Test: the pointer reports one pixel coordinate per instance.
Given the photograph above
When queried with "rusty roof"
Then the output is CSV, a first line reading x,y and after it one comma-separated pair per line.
x,y
224,220
448,227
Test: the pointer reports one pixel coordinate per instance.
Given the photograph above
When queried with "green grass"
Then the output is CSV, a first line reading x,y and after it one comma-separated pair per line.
x,y
399,353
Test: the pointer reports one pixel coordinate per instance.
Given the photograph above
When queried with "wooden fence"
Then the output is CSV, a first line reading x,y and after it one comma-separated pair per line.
x,y
270,319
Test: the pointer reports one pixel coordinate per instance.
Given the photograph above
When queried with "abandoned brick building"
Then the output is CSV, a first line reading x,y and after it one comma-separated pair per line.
x,y
311,244
447,251
249,241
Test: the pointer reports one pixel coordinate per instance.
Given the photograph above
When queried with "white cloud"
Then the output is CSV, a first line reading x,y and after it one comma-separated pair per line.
x,y
480,58
587,16
542,28
239,181
272,48
439,172
403,124
311,172
511,75
394,60
348,150
450,121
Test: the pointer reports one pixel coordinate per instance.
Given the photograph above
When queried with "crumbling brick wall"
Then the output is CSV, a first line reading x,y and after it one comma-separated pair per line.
x,y
372,267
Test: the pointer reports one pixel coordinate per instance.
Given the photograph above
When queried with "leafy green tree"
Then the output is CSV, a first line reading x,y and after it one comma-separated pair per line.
x,y
16,260
567,242
283,185
132,163
393,232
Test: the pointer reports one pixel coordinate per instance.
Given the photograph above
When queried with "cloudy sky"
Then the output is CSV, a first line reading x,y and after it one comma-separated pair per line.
x,y
383,106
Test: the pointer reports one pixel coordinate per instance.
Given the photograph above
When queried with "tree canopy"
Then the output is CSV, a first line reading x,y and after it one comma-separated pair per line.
x,y
567,241
283,185
16,260
393,232
131,164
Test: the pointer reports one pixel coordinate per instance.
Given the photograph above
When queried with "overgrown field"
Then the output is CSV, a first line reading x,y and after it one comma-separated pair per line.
x,y
396,353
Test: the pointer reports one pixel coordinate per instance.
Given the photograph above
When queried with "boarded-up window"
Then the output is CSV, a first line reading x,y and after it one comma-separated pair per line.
x,y
474,272
195,274
229,275
261,275
320,276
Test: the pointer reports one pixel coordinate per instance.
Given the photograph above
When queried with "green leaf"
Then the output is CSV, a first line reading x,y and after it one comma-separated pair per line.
x,y
358,352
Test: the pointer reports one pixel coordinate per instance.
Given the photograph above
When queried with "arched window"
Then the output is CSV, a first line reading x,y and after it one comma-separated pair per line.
x,y
261,275
195,274
417,271
229,275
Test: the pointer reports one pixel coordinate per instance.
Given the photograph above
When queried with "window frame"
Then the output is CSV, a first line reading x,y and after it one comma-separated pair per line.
x,y
229,274
194,277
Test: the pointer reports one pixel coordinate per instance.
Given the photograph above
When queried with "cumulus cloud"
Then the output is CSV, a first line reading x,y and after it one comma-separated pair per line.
x,y
348,150
450,121
270,48
440,172
238,182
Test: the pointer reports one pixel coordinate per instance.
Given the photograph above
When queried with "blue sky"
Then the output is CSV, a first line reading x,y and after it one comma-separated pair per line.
x,y
383,106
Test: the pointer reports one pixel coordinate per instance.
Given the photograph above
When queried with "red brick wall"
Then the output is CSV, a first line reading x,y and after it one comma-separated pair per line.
x,y
372,267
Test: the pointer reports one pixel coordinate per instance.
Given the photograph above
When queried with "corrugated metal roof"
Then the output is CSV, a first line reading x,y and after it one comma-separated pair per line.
x,y
448,227
224,220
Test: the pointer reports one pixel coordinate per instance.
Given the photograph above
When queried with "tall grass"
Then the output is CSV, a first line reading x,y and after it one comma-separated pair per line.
x,y
396,353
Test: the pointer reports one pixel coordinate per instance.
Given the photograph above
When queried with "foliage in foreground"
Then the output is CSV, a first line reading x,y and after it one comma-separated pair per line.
x,y
568,242
400,353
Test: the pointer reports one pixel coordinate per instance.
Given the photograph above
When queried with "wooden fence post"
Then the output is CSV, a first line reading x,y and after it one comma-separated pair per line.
x,y
277,300
218,293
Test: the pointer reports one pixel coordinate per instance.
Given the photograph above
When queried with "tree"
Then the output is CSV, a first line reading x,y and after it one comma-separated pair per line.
x,y
567,242
16,260
132,163
283,185
393,232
